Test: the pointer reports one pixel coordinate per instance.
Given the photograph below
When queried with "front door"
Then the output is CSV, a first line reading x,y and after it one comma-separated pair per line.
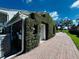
x,y
42,32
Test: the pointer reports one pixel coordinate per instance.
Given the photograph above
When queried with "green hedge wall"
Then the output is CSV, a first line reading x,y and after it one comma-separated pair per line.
x,y
31,38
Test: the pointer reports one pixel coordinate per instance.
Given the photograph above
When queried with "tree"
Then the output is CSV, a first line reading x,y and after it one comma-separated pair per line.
x,y
67,23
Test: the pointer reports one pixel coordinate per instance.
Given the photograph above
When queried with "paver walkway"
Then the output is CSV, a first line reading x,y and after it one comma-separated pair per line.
x,y
59,47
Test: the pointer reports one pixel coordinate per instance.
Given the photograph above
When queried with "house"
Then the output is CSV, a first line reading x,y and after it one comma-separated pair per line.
x,y
25,30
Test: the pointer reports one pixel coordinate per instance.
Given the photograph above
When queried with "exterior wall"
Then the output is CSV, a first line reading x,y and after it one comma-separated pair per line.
x,y
6,48
32,28
46,19
32,39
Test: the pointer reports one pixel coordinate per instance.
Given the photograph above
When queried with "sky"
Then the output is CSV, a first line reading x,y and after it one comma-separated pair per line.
x,y
58,9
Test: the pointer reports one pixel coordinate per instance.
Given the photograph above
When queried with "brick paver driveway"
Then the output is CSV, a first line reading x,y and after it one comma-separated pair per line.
x,y
58,47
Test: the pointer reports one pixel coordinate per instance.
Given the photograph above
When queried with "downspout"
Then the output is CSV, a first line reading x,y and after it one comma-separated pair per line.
x,y
22,50
22,38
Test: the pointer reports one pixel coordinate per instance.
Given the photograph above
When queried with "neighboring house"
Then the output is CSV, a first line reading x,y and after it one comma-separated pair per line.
x,y
25,30
3,20
5,16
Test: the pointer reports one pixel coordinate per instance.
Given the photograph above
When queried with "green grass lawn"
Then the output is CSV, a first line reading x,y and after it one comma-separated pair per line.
x,y
74,38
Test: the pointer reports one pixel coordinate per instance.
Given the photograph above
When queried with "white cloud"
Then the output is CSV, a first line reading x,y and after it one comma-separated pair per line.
x,y
75,4
45,11
28,1
54,15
